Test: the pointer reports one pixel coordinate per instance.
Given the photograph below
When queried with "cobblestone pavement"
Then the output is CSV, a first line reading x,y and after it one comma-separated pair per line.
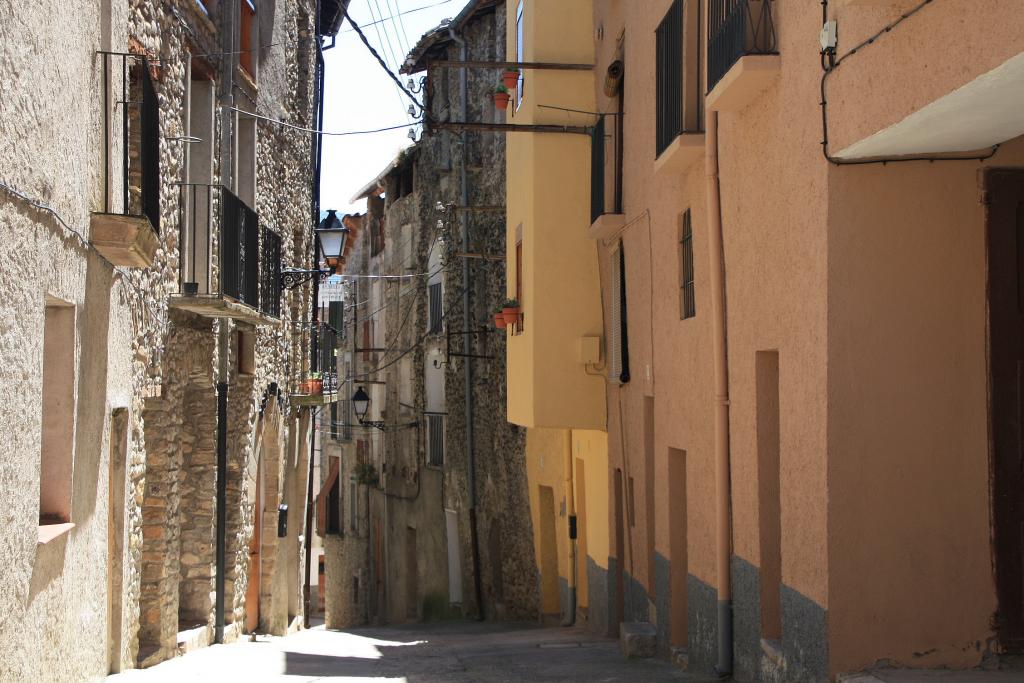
x,y
432,653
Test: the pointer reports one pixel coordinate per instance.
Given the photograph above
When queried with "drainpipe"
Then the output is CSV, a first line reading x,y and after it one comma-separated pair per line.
x,y
313,353
570,511
723,493
227,101
467,321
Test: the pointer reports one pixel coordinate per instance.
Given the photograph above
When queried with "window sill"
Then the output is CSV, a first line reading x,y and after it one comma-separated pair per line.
x,y
680,154
51,532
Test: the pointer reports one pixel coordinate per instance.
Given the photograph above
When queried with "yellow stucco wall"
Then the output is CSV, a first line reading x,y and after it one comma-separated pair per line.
x,y
548,209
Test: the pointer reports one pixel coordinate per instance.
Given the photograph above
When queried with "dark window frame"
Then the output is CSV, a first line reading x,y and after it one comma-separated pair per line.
x,y
687,289
669,77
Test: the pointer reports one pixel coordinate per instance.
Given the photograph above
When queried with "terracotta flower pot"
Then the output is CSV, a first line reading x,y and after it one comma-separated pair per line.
x,y
501,100
510,79
317,386
499,321
511,315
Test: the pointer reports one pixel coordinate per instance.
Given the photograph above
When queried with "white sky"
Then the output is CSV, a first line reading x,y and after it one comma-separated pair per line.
x,y
358,95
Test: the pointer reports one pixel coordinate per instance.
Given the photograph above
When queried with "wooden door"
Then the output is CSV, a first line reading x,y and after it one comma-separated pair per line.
x,y
1004,199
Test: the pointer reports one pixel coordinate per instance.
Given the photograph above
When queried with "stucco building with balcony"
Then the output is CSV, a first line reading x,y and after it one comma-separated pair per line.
x,y
805,261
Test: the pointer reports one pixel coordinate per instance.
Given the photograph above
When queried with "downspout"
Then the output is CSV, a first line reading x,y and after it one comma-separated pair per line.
x,y
313,359
227,102
570,511
467,321
723,493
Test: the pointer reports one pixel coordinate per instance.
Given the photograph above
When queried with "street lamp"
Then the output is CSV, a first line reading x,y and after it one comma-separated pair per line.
x,y
361,404
331,237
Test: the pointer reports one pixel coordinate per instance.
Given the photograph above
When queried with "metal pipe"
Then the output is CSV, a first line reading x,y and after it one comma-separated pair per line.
x,y
223,327
570,508
222,503
723,493
467,321
313,359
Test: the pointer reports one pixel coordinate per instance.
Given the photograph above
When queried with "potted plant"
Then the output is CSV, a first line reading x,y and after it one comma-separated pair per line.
x,y
510,311
313,384
501,97
510,77
499,318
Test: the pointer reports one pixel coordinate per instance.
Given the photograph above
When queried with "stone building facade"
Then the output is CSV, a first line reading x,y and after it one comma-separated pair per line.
x,y
126,303
411,345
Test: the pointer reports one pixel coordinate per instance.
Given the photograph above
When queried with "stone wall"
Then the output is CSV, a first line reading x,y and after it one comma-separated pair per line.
x,y
130,352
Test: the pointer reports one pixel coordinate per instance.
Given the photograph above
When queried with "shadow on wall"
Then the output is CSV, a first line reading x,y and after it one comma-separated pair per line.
x,y
93,327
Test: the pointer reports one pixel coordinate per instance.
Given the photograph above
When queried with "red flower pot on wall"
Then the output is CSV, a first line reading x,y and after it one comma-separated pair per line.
x,y
510,79
511,315
499,321
501,100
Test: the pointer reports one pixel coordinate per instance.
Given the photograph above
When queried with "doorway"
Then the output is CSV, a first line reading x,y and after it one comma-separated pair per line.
x,y
1005,235
549,598
115,535
252,590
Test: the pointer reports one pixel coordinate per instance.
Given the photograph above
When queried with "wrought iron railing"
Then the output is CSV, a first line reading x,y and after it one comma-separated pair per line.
x,y
248,254
668,39
737,28
136,111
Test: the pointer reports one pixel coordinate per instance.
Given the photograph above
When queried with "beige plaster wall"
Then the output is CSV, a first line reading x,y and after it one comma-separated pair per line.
x,y
908,429
939,49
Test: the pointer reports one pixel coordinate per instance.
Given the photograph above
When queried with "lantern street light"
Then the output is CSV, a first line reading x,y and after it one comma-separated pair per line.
x,y
361,404
331,236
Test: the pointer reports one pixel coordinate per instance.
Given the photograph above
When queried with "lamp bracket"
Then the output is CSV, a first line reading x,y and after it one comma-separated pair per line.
x,y
293,277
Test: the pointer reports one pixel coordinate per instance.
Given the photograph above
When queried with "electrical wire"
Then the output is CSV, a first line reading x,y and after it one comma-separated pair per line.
x,y
314,130
383,64
829,63
408,11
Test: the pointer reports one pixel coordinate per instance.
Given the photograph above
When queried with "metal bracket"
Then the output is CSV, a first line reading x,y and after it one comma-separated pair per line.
x,y
293,277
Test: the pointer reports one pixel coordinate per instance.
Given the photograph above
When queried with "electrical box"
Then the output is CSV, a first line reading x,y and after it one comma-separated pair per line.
x,y
590,350
282,520
829,36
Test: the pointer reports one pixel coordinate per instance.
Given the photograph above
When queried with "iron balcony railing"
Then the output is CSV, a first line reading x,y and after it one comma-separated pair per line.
x,y
132,172
225,252
737,28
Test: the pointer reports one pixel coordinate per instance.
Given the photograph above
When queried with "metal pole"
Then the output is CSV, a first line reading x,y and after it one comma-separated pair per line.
x,y
224,324
222,502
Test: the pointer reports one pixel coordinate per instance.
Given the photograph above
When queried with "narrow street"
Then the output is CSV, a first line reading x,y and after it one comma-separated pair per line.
x,y
450,652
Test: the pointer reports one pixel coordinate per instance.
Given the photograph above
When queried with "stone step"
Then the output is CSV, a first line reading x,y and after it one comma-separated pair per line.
x,y
638,639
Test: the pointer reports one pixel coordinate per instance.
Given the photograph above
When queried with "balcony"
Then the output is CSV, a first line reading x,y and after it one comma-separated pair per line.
x,y
126,232
320,387
743,56
230,265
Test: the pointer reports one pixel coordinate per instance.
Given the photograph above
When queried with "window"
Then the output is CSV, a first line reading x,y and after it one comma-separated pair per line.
x,y
687,298
435,312
245,352
58,414
597,170
352,504
519,279
245,158
248,55
519,52
195,254
669,76
618,347
435,440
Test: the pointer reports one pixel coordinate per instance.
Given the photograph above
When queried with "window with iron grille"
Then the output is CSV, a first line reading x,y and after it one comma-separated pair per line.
x,y
436,312
597,170
435,440
687,297
618,345
669,76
